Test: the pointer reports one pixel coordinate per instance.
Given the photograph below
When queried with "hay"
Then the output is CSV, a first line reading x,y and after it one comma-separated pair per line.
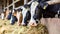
x,y
6,28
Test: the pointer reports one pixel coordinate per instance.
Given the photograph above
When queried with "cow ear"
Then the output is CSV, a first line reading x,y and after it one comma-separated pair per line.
x,y
44,5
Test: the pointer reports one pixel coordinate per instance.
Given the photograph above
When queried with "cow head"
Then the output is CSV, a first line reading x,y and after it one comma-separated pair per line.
x,y
19,16
13,17
26,14
5,14
36,13
9,15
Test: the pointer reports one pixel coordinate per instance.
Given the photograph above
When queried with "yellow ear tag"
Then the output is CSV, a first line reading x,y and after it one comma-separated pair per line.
x,y
44,7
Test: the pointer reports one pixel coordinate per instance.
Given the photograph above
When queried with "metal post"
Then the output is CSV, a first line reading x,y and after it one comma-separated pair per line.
x,y
25,2
7,4
13,6
4,5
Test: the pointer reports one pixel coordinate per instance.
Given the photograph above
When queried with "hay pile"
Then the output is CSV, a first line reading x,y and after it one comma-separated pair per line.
x,y
6,28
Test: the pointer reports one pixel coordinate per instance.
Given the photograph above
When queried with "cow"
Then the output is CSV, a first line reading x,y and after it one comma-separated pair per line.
x,y
19,16
26,14
50,8
6,14
16,16
36,13
50,20
52,11
13,17
9,15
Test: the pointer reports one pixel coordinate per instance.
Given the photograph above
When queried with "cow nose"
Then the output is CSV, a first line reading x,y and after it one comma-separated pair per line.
x,y
18,24
34,24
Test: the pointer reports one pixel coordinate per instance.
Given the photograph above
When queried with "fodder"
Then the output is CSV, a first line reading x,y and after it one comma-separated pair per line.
x,y
6,28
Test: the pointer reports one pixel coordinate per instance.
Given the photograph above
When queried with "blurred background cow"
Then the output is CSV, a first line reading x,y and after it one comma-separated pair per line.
x,y
6,14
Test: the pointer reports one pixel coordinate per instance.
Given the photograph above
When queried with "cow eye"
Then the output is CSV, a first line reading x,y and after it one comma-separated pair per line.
x,y
34,17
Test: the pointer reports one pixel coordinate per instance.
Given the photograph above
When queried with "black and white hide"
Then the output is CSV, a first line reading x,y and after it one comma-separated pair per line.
x,y
36,13
52,11
9,15
13,18
26,14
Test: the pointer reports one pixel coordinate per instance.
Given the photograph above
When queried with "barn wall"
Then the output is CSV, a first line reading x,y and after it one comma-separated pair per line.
x,y
52,24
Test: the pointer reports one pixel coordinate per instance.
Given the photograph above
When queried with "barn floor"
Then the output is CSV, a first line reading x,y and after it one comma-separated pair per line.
x,y
6,28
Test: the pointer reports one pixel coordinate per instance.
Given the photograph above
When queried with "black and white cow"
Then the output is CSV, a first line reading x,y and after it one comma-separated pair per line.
x,y
26,14
54,9
6,14
13,17
51,10
36,13
9,15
